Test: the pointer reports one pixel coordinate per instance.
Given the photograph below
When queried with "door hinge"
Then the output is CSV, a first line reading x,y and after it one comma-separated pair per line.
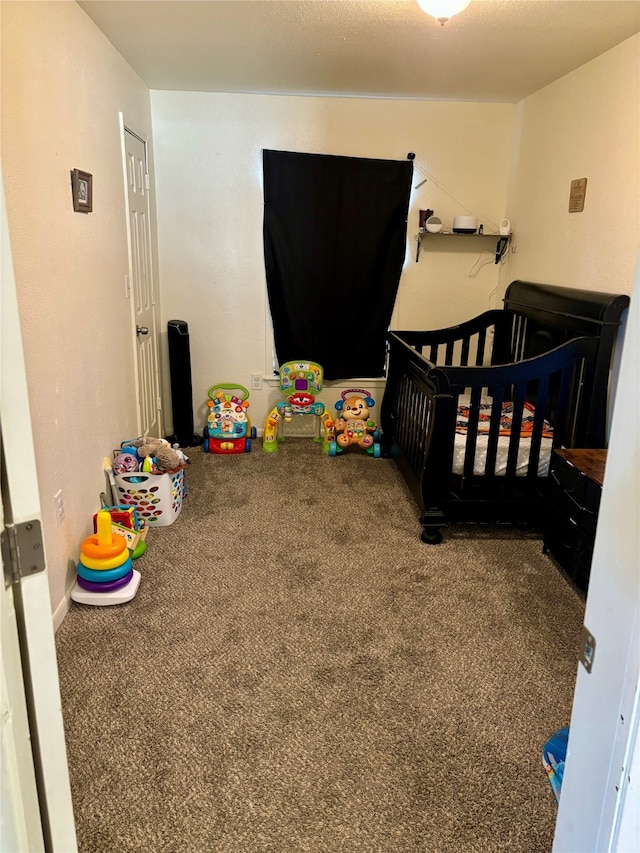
x,y
588,650
22,551
147,182
158,404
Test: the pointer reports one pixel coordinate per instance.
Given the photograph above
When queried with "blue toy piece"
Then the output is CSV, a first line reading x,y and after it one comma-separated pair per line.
x,y
554,754
228,428
104,575
353,424
300,381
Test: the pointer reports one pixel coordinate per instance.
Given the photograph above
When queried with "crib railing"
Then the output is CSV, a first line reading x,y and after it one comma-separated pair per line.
x,y
419,408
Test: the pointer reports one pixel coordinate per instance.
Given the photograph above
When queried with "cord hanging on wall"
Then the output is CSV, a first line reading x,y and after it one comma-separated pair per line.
x,y
429,177
412,156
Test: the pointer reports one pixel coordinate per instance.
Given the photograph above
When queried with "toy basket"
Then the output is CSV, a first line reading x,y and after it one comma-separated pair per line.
x,y
157,498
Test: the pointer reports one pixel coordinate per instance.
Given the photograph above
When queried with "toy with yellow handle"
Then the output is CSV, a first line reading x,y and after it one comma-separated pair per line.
x,y
105,570
270,435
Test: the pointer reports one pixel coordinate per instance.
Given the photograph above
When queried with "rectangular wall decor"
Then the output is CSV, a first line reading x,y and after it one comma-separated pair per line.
x,y
82,191
577,195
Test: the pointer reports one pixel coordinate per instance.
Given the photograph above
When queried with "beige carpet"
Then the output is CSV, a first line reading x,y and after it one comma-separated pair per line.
x,y
298,672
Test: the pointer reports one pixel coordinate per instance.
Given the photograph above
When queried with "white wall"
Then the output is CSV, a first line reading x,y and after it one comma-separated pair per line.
x,y
63,86
210,203
585,125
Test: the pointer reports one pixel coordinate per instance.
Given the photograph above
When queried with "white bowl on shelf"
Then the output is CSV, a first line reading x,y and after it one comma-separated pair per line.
x,y
433,224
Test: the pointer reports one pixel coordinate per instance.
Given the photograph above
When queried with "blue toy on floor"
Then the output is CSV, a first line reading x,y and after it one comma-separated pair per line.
x,y
554,754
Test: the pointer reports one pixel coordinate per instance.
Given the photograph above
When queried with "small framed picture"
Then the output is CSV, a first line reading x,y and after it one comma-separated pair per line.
x,y
82,190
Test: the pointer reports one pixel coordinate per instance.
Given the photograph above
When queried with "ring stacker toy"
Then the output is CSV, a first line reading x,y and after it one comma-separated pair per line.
x,y
300,382
125,522
105,569
228,428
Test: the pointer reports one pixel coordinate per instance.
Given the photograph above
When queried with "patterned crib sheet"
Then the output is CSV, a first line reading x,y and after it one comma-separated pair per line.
x,y
482,441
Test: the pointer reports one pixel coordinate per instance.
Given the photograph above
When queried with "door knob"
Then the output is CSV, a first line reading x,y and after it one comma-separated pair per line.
x,y
142,330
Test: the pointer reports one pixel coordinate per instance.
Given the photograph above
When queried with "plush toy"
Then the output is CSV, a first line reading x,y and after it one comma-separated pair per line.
x,y
157,455
354,426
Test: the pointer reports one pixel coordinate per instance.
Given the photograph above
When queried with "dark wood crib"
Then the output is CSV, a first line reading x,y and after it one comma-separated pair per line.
x,y
472,413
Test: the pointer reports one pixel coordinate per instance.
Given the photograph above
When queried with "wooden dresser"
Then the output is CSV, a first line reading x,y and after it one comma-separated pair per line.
x,y
572,513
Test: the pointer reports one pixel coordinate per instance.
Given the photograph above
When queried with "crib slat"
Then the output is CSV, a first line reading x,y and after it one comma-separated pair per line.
x,y
494,430
464,354
472,431
542,401
482,338
516,428
448,355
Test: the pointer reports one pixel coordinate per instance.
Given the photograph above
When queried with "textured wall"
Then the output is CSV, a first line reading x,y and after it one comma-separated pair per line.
x,y
63,85
208,177
584,125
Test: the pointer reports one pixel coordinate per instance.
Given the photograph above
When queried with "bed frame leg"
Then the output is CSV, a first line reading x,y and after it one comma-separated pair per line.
x,y
432,520
431,535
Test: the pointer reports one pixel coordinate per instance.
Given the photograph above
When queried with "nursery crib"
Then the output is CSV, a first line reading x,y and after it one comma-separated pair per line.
x,y
472,413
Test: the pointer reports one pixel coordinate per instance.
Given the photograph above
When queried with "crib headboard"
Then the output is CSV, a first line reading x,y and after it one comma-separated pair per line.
x,y
548,316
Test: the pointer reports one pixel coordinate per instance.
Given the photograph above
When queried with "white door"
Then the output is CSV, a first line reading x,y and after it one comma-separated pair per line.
x,y
599,794
141,285
36,795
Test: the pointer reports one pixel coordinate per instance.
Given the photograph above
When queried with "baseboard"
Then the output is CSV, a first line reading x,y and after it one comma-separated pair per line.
x,y
60,612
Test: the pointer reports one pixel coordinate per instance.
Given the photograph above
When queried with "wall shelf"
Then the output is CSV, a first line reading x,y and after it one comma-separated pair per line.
x,y
502,240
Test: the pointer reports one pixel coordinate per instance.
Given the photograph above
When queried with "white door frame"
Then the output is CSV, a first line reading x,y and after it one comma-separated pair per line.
x,y
34,745
125,128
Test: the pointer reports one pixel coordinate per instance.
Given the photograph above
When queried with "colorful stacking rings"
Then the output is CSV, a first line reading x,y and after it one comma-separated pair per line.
x,y
110,586
95,551
111,563
104,575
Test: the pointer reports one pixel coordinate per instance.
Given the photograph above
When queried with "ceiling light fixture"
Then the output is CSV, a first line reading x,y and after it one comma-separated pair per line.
x,y
442,10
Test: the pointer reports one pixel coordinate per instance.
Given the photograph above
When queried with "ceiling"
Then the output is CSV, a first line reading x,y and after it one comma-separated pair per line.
x,y
495,50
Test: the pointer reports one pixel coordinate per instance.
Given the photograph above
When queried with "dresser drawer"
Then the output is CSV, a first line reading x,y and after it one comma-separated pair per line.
x,y
564,504
570,479
575,485
571,547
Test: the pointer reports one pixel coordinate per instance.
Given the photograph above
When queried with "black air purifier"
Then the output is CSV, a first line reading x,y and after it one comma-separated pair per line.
x,y
181,392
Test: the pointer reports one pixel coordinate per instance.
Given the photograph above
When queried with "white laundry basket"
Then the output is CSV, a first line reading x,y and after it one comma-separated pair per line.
x,y
157,498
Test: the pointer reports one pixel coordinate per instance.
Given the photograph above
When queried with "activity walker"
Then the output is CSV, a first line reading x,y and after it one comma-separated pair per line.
x,y
228,428
353,424
300,382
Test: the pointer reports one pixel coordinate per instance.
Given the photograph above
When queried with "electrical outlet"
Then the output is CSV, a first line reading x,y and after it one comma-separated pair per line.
x,y
256,382
59,505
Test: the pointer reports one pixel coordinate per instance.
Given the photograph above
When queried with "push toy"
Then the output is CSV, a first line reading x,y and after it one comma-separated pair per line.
x,y
228,428
353,425
299,382
105,570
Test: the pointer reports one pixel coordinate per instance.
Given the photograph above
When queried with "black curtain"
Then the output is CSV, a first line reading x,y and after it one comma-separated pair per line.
x,y
334,244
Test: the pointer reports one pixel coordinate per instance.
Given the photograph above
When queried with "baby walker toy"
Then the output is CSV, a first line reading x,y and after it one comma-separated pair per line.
x,y
105,569
353,424
299,381
228,429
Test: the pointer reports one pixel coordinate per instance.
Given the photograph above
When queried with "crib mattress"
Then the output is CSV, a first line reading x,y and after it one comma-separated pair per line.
x,y
502,454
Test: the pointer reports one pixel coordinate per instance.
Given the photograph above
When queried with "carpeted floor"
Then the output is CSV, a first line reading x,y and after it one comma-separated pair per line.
x,y
298,672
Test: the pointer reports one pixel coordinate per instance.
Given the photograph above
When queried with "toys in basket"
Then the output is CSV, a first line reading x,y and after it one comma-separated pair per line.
x,y
228,428
148,474
105,568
